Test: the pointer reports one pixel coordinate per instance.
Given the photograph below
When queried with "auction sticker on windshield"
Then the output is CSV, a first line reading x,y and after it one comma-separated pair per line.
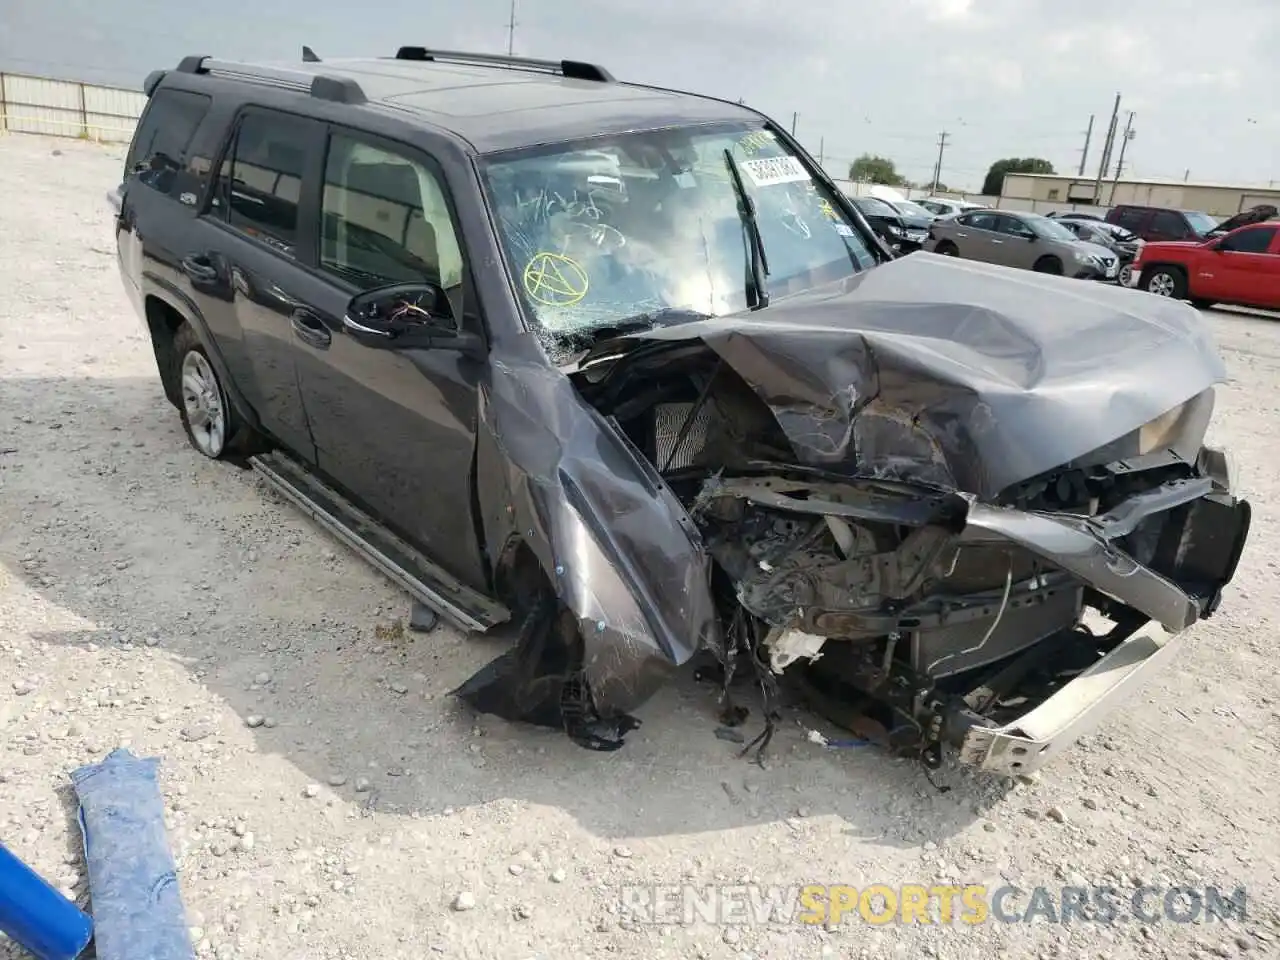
x,y
767,171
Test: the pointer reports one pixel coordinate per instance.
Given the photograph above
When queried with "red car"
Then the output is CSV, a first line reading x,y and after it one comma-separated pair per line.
x,y
1240,268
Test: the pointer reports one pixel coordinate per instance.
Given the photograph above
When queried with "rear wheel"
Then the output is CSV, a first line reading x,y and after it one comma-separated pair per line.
x,y
211,423
947,249
1048,265
1165,282
1126,275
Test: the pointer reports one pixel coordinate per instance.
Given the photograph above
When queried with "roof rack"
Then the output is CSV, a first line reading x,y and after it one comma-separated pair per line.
x,y
569,69
335,89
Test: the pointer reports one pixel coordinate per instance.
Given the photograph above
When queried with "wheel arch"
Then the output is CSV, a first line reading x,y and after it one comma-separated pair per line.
x,y
166,309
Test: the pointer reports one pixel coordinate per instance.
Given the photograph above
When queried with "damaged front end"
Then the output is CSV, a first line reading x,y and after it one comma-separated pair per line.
x,y
923,619
969,518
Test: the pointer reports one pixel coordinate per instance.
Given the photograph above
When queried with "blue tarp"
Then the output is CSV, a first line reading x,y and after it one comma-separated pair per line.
x,y
137,907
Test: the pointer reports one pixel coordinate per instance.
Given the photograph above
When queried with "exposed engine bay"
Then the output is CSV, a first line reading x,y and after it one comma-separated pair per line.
x,y
901,607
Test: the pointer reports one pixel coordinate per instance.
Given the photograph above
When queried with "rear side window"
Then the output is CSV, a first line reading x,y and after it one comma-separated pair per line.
x,y
160,144
1130,218
1250,241
259,184
1166,223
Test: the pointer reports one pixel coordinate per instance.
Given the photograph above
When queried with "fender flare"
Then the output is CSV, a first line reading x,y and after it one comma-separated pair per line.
x,y
155,286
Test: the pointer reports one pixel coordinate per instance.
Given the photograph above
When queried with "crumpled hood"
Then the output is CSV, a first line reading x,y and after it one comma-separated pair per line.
x,y
957,372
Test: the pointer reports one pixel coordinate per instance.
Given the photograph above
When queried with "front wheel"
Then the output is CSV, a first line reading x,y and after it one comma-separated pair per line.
x,y
1165,282
947,249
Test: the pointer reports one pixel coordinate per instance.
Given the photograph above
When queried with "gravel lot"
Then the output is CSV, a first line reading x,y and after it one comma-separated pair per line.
x,y
327,799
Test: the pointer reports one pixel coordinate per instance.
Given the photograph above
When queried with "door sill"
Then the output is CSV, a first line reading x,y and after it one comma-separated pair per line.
x,y
400,562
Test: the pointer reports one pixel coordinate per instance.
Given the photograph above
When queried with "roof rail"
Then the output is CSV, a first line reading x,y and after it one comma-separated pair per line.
x,y
569,69
335,89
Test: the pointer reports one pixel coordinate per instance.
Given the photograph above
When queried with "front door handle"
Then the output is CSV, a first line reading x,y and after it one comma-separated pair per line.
x,y
997,241
310,329
961,234
199,269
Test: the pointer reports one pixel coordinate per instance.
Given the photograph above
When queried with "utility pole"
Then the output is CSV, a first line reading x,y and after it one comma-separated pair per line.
x,y
937,167
1084,154
1124,142
511,30
1106,151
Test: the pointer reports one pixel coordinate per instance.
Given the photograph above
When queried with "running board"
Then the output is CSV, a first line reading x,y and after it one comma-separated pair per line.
x,y
402,564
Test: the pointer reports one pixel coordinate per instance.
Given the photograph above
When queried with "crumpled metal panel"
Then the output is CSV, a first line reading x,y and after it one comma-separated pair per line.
x,y
960,373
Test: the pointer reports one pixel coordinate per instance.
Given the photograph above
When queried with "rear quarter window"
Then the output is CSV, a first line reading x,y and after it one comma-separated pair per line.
x,y
161,143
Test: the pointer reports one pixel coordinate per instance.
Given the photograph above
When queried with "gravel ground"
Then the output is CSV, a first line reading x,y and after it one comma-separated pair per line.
x,y
327,799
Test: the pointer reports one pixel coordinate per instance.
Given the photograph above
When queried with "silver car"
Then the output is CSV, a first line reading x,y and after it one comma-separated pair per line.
x,y
1027,241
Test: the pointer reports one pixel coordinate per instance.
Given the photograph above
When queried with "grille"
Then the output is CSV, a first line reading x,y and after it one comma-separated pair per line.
x,y
669,418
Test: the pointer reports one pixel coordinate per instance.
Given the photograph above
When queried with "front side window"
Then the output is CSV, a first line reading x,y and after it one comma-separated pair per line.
x,y
260,179
385,220
617,229
159,149
1257,240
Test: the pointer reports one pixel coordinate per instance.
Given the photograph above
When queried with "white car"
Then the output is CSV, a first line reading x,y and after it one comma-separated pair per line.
x,y
944,207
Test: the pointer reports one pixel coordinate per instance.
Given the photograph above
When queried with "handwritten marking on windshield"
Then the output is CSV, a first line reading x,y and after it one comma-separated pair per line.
x,y
554,280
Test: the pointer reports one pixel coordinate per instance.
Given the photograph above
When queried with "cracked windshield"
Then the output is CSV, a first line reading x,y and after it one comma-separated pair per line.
x,y
647,228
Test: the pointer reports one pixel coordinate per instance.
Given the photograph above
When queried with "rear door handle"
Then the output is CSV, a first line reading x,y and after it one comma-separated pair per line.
x,y
961,234
310,329
997,241
199,268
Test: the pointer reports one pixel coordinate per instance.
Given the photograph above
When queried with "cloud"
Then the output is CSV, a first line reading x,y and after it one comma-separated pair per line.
x,y
1004,77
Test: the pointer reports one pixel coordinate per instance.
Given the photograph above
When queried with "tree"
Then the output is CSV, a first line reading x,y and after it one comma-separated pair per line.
x,y
994,181
870,168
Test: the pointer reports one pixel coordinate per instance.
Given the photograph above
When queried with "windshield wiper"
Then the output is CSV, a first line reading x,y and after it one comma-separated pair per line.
x,y
758,263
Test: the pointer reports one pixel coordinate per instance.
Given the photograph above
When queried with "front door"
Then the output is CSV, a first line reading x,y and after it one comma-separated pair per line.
x,y
1245,268
395,429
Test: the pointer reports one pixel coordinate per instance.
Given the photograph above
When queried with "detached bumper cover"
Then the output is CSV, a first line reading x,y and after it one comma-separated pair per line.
x,y
1208,548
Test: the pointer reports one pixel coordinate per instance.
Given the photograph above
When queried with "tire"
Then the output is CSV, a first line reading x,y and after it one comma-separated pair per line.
x,y
1125,275
1048,265
1201,304
1164,282
947,249
213,427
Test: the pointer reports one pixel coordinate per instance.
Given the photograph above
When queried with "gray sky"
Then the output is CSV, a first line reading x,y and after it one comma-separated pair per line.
x,y
1004,77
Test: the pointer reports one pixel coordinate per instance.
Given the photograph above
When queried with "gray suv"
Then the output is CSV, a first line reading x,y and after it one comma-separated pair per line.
x,y
1029,241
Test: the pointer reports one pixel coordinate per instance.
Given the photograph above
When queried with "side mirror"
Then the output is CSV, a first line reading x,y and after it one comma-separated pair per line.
x,y
408,316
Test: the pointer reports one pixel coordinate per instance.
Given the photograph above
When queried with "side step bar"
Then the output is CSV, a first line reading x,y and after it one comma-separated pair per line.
x,y
401,563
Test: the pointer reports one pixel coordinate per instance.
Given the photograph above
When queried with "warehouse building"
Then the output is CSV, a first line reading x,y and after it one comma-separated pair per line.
x,y
1044,191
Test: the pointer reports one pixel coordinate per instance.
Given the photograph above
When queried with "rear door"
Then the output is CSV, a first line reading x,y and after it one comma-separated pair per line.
x,y
260,250
974,234
1014,248
1244,268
